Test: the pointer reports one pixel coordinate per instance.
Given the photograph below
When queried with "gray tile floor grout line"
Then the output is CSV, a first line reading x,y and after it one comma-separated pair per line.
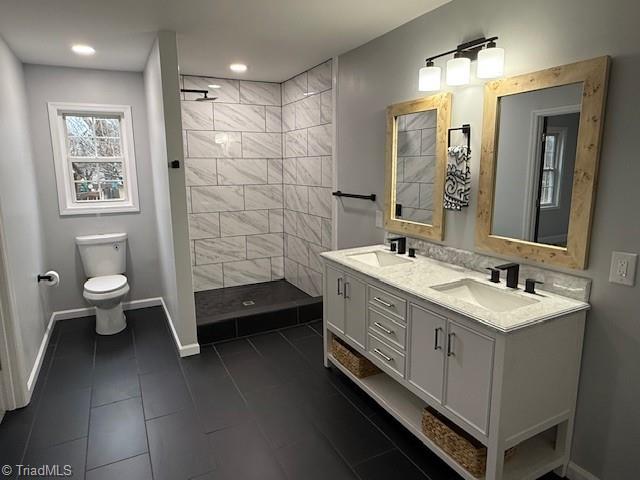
x,y
249,410
329,442
146,431
93,372
370,421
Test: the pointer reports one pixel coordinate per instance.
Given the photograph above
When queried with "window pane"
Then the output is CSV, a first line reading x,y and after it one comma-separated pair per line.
x,y
107,127
112,190
85,171
87,191
111,171
82,147
108,147
78,126
549,151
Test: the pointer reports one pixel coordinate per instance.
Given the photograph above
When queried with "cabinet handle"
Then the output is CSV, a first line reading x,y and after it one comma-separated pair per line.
x,y
339,282
436,343
381,354
450,338
382,302
383,328
346,289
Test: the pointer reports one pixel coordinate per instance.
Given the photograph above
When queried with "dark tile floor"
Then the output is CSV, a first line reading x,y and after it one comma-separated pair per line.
x,y
261,408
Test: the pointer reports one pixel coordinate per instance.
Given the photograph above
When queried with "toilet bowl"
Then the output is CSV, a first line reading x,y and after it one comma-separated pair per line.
x,y
104,260
106,293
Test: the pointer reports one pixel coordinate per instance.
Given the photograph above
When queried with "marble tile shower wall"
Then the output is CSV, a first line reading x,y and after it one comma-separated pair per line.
x,y
233,170
258,168
307,116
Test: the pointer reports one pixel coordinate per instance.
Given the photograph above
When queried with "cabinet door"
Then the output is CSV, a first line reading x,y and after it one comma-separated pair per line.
x,y
469,374
426,351
334,296
356,310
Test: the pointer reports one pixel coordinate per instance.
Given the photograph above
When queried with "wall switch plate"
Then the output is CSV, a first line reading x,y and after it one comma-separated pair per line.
x,y
623,268
379,218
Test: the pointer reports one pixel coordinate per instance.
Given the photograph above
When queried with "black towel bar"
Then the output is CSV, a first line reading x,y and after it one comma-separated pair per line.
x,y
371,197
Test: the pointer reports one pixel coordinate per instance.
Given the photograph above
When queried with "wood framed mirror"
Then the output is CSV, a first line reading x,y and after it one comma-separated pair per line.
x,y
415,166
538,169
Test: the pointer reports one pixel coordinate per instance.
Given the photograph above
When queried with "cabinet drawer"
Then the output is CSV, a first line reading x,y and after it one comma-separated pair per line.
x,y
388,303
387,329
385,357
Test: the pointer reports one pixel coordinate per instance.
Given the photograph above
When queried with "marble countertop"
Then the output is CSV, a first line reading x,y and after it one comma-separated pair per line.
x,y
419,276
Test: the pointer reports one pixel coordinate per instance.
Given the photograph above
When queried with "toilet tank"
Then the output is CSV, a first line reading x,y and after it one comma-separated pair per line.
x,y
103,254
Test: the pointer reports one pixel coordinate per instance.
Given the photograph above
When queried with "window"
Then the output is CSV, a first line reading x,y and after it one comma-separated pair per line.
x,y
552,167
94,158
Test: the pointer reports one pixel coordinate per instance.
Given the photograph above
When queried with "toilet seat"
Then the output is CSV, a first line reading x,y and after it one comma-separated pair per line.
x,y
105,284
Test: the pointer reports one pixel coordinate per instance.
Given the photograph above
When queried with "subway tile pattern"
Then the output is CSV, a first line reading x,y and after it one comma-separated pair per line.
x,y
233,172
307,175
259,173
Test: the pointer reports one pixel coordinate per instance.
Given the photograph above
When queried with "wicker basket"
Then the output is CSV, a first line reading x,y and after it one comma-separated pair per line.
x,y
352,360
464,449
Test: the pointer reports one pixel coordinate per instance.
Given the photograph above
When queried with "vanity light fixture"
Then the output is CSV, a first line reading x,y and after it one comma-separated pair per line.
x,y
490,64
214,86
238,67
85,50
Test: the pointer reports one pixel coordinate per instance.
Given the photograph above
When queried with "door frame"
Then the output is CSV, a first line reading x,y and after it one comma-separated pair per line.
x,y
535,160
10,392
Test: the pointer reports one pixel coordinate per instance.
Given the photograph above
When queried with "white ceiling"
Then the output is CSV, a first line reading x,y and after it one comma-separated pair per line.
x,y
275,38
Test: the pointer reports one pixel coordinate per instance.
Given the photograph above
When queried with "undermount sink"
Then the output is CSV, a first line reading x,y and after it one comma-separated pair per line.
x,y
379,259
485,296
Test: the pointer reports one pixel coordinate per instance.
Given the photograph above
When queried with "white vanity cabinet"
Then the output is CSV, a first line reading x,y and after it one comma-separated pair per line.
x,y
346,302
503,388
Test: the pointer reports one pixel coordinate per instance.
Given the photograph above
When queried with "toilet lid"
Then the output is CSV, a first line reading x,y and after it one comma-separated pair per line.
x,y
105,284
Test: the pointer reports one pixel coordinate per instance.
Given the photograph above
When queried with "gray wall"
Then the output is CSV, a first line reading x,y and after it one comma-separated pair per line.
x,y
56,84
535,35
170,201
20,223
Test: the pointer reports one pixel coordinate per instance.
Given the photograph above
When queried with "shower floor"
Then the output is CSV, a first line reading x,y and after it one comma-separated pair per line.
x,y
233,312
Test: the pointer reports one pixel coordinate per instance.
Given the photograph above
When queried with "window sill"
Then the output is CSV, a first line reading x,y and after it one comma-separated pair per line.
x,y
99,209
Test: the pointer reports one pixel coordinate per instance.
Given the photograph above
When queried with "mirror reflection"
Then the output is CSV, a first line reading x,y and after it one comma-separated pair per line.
x,y
536,151
415,158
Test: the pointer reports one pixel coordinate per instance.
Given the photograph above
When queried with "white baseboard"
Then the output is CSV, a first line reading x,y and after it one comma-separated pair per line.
x,y
37,365
576,472
183,350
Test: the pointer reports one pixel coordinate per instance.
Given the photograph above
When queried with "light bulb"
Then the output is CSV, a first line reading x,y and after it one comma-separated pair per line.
x,y
458,71
429,78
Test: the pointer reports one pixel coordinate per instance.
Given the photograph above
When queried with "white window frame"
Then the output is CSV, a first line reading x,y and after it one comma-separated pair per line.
x,y
67,202
560,135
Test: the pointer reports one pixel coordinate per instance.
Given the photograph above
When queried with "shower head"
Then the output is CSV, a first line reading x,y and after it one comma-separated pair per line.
x,y
205,94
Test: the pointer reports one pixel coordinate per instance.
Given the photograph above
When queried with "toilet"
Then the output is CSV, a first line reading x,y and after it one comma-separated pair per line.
x,y
104,260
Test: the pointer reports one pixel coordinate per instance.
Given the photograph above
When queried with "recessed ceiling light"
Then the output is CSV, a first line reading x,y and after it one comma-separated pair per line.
x,y
238,67
213,86
83,49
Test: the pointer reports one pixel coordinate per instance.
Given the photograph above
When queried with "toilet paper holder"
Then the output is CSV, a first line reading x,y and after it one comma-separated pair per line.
x,y
45,278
